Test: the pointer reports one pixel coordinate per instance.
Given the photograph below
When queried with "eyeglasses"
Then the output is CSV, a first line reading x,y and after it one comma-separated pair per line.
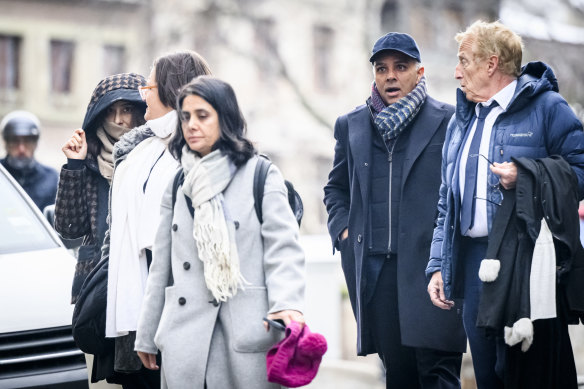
x,y
480,155
493,182
143,90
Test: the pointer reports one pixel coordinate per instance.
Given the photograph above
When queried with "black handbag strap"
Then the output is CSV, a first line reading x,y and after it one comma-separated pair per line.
x,y
179,178
259,181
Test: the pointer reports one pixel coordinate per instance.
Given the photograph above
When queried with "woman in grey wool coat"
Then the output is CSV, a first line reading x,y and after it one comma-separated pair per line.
x,y
214,276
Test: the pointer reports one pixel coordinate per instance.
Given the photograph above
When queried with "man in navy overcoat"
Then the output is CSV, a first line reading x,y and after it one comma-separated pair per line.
x,y
381,199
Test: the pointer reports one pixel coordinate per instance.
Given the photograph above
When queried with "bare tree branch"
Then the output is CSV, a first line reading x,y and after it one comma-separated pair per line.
x,y
281,65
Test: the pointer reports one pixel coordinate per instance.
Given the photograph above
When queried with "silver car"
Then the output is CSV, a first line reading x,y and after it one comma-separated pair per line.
x,y
36,346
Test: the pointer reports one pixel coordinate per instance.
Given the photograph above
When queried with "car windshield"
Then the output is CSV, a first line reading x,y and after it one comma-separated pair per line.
x,y
20,227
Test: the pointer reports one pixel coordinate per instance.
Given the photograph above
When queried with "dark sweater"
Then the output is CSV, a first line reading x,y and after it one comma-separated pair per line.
x,y
38,181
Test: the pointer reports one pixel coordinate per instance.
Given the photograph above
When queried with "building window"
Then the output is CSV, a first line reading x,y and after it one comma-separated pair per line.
x,y
266,48
390,16
61,65
9,61
114,58
323,44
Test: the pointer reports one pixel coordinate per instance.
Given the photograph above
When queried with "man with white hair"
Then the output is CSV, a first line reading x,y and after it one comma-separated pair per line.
x,y
507,119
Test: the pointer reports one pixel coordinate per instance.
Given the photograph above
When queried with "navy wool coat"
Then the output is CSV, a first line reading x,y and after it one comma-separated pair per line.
x,y
347,202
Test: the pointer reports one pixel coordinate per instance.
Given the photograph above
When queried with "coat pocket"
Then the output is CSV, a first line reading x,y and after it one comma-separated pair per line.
x,y
349,270
247,310
167,318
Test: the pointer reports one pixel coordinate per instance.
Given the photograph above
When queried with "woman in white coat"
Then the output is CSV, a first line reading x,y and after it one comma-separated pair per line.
x,y
214,276
143,166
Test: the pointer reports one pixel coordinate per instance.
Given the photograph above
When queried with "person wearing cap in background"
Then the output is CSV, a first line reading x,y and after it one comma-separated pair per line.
x,y
381,199
21,131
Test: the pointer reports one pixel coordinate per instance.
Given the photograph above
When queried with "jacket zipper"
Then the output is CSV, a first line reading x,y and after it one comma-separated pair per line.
x,y
390,161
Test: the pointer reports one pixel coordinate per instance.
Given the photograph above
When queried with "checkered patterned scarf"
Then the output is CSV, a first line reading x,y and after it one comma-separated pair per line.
x,y
392,119
117,81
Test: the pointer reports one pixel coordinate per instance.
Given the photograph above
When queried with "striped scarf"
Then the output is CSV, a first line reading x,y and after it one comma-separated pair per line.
x,y
392,119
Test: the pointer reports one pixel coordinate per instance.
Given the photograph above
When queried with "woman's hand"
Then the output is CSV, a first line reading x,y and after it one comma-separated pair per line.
x,y
286,316
148,360
76,146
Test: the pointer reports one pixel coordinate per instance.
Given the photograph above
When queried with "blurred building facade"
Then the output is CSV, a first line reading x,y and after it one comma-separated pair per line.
x,y
53,53
295,65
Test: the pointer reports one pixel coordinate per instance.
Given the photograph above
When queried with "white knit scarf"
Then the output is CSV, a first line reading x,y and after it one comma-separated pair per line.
x,y
205,180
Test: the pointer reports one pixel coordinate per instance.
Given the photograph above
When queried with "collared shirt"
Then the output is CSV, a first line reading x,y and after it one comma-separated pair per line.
x,y
503,98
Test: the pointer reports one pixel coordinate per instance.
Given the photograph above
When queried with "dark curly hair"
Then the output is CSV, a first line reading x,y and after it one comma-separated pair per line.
x,y
232,126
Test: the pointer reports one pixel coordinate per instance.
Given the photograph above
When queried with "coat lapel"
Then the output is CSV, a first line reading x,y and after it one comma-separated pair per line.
x,y
360,140
424,127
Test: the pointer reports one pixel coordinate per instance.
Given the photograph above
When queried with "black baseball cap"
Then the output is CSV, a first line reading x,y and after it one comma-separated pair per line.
x,y
396,41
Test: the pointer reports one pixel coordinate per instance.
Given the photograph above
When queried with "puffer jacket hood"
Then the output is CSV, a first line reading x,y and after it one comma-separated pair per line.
x,y
535,78
123,86
537,123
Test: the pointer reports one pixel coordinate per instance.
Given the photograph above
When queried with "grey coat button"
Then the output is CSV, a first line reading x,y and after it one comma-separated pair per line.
x,y
174,227
186,266
359,238
182,300
236,224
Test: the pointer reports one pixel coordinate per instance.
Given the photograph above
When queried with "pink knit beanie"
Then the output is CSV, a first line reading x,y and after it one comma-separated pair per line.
x,y
294,361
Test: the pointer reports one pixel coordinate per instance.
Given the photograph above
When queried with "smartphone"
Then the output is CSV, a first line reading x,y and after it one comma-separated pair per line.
x,y
277,324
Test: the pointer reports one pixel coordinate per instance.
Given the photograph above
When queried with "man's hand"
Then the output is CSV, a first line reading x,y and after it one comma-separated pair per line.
x,y
507,172
76,146
148,360
345,234
436,292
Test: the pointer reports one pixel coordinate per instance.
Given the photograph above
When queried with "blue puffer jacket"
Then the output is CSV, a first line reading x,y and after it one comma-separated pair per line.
x,y
538,123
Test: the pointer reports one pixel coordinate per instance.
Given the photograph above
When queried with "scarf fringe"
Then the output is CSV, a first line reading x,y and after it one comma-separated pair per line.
x,y
205,181
222,276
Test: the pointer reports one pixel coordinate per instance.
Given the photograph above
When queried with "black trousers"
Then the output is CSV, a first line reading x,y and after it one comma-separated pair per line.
x,y
406,367
549,362
142,379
